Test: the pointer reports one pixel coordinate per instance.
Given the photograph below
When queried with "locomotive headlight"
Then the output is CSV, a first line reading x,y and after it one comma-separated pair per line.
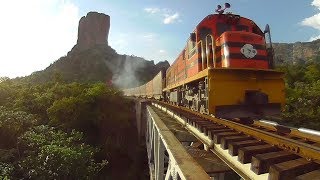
x,y
226,55
226,51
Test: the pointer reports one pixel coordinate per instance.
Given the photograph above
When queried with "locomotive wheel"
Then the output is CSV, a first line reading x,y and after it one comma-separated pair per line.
x,y
194,106
203,110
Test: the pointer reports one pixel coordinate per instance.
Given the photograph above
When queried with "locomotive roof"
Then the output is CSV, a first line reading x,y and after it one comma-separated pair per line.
x,y
228,14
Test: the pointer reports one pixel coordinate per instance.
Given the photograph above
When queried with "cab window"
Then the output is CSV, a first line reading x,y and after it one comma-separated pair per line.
x,y
191,48
242,28
256,30
221,28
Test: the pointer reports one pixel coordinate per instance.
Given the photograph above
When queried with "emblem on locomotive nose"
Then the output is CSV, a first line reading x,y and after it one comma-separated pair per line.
x,y
248,51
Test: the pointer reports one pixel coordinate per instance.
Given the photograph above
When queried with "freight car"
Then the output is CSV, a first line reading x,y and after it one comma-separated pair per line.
x,y
152,89
225,69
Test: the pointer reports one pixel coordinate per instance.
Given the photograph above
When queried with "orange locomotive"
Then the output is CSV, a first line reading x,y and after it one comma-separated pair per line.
x,y
226,70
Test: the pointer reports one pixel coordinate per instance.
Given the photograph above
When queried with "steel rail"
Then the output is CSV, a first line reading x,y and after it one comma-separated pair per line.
x,y
302,149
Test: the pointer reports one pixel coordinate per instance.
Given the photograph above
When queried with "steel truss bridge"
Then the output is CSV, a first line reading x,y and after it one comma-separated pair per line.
x,y
184,145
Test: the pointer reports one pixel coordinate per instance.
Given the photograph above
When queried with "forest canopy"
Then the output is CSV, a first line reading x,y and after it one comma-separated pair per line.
x,y
302,94
60,130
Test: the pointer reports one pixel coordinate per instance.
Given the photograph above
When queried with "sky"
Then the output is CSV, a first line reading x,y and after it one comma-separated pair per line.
x,y
35,33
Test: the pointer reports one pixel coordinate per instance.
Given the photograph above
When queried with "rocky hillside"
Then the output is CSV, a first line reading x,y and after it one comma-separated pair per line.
x,y
92,60
295,52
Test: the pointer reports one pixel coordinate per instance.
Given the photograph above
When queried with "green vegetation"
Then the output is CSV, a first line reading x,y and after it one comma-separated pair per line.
x,y
303,94
48,153
60,130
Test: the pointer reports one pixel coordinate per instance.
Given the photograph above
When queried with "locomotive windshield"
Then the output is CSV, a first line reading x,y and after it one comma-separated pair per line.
x,y
223,27
242,28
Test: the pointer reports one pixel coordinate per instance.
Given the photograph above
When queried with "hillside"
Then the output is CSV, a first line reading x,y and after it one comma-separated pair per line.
x,y
100,63
296,52
93,60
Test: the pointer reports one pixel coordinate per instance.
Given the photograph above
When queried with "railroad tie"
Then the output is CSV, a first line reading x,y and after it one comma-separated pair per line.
x,y
233,147
211,133
245,153
261,162
206,129
200,125
217,137
309,176
226,140
290,169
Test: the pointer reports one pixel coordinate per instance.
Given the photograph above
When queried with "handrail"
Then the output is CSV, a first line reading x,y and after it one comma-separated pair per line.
x,y
201,52
180,162
212,48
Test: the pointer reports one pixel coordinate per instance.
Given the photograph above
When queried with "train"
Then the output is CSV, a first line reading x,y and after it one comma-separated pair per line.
x,y
226,69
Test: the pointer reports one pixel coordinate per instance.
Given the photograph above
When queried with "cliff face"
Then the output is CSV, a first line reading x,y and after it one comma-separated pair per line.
x,y
295,52
93,30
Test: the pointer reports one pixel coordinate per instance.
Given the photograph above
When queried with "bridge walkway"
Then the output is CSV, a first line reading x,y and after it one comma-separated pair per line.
x,y
175,153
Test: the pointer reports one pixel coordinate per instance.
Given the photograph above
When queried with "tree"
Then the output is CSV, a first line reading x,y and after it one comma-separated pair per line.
x,y
12,125
312,73
3,79
302,95
5,170
50,153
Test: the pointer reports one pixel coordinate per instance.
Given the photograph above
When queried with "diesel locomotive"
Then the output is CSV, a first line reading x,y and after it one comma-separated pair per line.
x,y
225,70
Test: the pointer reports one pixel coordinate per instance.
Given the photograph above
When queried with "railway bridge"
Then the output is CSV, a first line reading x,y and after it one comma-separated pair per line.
x,y
185,145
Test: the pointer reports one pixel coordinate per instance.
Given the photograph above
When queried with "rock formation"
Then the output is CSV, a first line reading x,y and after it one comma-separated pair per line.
x,y
93,30
93,60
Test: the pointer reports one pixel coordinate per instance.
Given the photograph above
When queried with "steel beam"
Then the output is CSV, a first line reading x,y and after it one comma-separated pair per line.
x,y
161,140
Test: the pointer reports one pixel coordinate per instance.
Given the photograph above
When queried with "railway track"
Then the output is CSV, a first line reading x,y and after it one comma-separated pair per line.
x,y
276,151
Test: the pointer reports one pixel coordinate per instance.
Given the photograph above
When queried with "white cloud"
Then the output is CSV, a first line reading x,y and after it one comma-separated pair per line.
x,y
34,33
149,37
152,10
171,18
316,3
123,42
314,38
313,21
150,45
162,51
167,15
